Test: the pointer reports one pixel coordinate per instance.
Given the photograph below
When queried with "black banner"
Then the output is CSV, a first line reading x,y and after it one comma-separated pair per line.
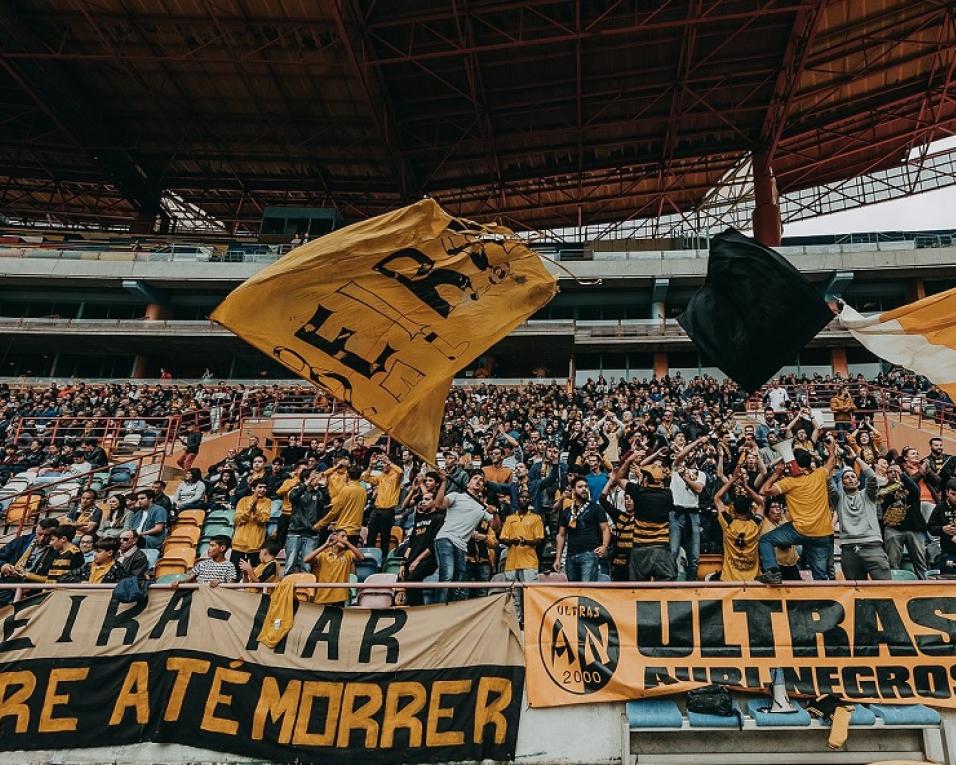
x,y
387,711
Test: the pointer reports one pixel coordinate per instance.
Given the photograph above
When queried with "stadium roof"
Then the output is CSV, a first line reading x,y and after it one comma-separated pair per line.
x,y
544,113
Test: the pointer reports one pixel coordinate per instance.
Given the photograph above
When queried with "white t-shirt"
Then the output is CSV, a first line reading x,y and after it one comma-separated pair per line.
x,y
462,518
683,495
777,398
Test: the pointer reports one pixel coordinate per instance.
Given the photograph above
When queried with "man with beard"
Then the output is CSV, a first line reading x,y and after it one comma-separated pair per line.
x,y
941,467
942,523
584,530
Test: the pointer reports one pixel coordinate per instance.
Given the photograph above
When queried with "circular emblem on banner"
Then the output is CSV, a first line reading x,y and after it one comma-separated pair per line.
x,y
579,644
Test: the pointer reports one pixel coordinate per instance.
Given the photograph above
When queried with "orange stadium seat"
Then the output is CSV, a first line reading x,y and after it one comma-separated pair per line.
x,y
184,533
194,517
303,595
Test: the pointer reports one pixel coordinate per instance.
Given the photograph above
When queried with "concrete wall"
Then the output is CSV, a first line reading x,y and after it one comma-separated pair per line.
x,y
589,734
645,264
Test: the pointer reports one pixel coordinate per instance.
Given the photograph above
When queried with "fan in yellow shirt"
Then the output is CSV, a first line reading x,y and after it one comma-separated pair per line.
x,y
388,487
522,533
332,562
811,521
741,527
348,506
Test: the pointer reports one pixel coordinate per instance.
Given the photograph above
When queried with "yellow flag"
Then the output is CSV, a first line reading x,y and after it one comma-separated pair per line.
x,y
382,313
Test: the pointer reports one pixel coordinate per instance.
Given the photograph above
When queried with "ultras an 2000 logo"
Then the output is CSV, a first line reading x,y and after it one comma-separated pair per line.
x,y
579,644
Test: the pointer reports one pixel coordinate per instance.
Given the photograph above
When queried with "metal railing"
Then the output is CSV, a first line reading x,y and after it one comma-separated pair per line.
x,y
34,502
931,414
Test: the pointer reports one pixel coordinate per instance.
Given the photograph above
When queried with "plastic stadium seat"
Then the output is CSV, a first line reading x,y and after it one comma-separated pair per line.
x,y
396,537
905,714
368,599
373,552
655,713
799,718
221,515
903,575
194,517
169,578
392,564
378,598
301,594
166,567
365,568
553,576
152,556
184,533
185,555
59,500
22,508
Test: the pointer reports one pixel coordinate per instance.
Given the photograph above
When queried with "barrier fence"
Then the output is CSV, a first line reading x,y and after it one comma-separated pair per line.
x,y
505,586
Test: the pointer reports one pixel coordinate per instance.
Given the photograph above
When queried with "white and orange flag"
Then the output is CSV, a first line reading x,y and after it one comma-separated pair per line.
x,y
384,312
920,336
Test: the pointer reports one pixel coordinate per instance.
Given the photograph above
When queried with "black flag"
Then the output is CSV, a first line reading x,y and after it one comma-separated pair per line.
x,y
755,311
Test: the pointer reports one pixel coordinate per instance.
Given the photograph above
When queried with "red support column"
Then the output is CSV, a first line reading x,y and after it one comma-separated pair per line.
x,y
768,228
839,362
660,364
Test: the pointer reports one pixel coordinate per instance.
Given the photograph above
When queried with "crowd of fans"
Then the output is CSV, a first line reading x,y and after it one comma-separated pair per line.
x,y
57,429
621,480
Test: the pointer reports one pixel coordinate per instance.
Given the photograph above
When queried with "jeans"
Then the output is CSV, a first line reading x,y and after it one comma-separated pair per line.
x,y
582,567
297,546
451,568
685,533
521,575
816,550
477,572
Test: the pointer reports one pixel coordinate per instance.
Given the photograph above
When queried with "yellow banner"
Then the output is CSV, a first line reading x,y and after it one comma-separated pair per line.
x,y
383,313
872,644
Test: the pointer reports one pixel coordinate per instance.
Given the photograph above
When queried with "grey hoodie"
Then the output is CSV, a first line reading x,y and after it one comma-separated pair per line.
x,y
858,512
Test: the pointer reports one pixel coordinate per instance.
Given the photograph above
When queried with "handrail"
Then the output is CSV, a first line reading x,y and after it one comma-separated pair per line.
x,y
891,401
857,584
84,479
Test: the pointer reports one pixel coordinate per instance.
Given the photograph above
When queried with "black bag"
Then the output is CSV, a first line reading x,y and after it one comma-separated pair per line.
x,y
713,700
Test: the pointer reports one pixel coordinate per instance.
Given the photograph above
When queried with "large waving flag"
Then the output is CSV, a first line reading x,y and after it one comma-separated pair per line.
x,y
920,336
755,311
382,313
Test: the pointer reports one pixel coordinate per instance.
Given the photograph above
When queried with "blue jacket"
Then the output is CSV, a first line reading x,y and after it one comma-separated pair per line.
x,y
154,514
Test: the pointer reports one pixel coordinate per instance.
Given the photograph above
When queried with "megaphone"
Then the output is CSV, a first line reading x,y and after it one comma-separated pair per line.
x,y
784,449
779,701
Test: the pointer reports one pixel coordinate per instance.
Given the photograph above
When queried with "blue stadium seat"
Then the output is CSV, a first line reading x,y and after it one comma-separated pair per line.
x,y
655,713
800,718
905,714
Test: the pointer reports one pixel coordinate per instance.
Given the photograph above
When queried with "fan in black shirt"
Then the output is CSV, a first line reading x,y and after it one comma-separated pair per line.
x,y
420,561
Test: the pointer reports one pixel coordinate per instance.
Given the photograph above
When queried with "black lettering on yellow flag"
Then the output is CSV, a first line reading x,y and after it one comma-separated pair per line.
x,y
865,644
383,313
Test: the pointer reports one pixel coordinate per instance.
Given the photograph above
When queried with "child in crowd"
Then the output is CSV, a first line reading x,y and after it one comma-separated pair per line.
x,y
332,562
214,569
